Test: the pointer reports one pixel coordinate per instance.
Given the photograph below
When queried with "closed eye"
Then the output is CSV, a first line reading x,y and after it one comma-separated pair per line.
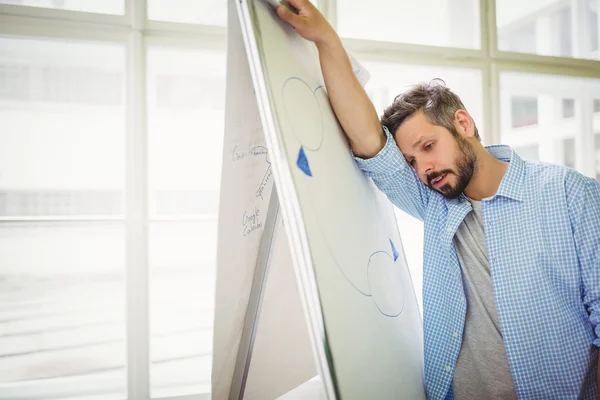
x,y
428,147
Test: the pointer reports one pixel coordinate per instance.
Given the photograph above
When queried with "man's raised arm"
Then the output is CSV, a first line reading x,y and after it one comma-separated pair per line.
x,y
349,100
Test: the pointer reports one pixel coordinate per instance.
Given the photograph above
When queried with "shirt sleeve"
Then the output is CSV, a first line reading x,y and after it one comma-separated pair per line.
x,y
396,178
585,219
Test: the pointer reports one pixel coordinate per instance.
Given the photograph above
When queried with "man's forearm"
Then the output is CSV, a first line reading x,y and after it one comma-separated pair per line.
x,y
349,100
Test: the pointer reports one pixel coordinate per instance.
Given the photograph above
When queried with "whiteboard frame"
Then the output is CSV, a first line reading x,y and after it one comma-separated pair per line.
x,y
255,299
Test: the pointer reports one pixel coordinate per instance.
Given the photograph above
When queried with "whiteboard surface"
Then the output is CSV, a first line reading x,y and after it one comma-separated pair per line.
x,y
361,306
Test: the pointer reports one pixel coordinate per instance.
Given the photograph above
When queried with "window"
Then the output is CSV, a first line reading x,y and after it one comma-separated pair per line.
x,y
569,152
562,134
431,22
106,180
46,103
524,111
186,101
182,306
563,23
555,27
62,158
93,6
521,39
568,108
206,12
593,14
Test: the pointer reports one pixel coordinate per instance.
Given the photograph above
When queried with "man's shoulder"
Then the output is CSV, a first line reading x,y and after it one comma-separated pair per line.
x,y
548,176
541,169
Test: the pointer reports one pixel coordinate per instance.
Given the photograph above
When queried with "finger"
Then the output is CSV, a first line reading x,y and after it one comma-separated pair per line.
x,y
300,5
287,15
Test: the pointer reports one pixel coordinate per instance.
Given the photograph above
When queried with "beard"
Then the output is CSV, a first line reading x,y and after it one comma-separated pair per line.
x,y
466,162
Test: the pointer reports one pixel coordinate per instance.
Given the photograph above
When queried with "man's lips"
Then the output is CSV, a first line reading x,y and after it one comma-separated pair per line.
x,y
439,181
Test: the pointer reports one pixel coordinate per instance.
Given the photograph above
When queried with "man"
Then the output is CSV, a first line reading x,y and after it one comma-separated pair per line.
x,y
511,274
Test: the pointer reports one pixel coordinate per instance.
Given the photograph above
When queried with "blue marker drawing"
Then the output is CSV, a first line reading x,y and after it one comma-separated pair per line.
x,y
385,298
394,251
302,162
290,91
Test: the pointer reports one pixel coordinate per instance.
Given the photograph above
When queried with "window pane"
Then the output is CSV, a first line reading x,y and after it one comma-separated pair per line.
x,y
569,152
452,23
183,271
524,111
63,128
568,108
94,6
205,12
549,27
387,81
62,311
186,103
561,128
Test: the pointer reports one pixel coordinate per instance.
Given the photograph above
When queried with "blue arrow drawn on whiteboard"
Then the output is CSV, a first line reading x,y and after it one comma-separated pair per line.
x,y
394,251
302,162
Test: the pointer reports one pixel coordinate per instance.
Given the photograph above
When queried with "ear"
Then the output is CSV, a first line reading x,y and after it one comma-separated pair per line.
x,y
464,123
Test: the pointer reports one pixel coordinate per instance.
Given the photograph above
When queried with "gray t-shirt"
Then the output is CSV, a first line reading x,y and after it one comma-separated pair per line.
x,y
482,370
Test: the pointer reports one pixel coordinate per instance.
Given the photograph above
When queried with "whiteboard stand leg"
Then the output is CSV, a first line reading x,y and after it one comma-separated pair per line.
x,y
244,356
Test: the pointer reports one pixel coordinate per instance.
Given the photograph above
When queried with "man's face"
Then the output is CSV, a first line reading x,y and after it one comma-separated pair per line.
x,y
443,162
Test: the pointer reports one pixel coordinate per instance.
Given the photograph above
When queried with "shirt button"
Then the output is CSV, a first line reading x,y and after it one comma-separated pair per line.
x,y
455,334
448,368
449,229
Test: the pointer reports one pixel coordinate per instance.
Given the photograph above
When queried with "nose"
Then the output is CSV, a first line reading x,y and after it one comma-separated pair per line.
x,y
426,169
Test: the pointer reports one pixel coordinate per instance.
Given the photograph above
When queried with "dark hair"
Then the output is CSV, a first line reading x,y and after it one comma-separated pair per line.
x,y
438,103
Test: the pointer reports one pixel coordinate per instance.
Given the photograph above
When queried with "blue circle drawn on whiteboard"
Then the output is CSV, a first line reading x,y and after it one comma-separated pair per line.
x,y
308,131
385,284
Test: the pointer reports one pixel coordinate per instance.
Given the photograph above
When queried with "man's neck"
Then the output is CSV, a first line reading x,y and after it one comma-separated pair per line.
x,y
488,174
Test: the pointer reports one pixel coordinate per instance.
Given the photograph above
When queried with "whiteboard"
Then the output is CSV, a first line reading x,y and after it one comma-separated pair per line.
x,y
347,252
281,357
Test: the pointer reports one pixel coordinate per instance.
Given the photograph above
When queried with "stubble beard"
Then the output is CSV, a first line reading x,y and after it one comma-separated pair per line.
x,y
466,163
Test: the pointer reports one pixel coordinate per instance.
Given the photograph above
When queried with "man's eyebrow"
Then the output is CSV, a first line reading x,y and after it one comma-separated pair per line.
x,y
414,146
421,139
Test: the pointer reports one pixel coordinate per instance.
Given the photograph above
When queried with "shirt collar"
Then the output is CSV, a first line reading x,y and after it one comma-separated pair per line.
x,y
512,183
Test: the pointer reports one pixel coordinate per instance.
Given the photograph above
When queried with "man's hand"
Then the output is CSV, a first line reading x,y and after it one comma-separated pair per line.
x,y
309,22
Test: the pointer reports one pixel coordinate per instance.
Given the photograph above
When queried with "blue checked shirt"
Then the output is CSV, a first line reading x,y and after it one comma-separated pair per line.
x,y
542,231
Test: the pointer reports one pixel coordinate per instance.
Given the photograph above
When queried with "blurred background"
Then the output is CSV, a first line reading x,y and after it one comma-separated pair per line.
x,y
111,130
